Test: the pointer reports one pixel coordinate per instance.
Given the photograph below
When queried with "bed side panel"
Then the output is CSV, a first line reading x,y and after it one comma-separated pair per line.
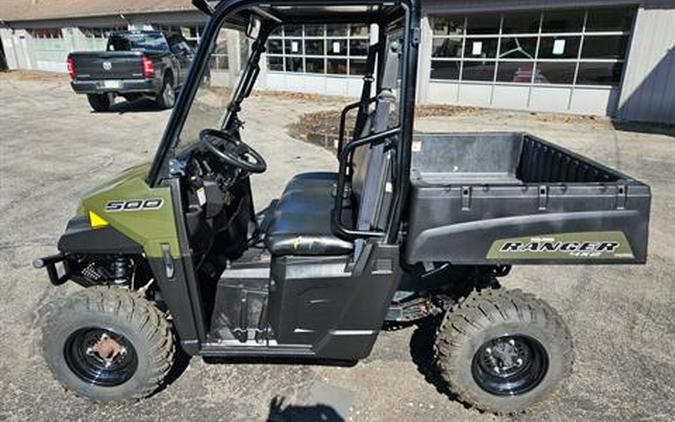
x,y
532,224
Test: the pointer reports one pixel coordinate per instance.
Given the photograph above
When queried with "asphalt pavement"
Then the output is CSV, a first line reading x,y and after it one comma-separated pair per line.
x,y
52,148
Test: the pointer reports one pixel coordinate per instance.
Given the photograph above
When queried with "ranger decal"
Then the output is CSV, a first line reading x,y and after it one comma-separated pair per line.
x,y
607,245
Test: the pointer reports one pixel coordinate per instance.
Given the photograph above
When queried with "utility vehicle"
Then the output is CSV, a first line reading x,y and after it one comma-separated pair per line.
x,y
135,63
410,226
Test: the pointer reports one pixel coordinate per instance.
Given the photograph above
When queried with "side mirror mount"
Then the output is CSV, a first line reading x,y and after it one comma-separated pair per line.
x,y
253,28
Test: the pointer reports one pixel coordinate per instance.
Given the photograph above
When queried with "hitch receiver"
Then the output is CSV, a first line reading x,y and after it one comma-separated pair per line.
x,y
49,262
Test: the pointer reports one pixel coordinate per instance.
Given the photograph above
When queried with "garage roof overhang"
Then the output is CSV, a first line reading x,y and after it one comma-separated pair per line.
x,y
29,13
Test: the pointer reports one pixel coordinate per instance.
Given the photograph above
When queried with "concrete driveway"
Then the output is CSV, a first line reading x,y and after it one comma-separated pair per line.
x,y
52,148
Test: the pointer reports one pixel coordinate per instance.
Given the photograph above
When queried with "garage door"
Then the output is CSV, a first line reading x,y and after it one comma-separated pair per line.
x,y
325,59
558,60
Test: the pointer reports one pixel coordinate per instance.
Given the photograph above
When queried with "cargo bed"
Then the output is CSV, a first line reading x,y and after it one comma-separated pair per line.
x,y
511,198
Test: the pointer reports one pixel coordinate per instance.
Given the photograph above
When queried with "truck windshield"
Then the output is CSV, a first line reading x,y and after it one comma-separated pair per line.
x,y
214,94
142,41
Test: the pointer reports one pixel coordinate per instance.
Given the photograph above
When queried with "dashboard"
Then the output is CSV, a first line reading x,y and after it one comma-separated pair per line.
x,y
218,204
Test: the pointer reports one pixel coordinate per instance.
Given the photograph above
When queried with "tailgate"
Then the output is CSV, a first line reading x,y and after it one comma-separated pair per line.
x,y
108,65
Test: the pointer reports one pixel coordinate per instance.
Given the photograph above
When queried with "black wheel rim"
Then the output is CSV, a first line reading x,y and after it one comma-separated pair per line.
x,y
100,357
509,365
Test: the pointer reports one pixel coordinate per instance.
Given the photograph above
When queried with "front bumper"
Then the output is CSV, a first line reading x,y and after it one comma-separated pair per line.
x,y
57,276
120,86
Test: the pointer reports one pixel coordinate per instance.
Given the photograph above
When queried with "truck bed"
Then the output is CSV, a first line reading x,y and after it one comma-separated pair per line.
x,y
512,198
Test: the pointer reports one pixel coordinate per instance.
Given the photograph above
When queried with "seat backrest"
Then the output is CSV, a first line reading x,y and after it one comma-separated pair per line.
x,y
371,164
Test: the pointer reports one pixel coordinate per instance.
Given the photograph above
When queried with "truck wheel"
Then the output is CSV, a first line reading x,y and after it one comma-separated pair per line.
x,y
108,344
99,102
167,96
503,351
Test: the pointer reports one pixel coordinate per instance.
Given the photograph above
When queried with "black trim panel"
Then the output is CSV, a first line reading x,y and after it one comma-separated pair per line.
x,y
80,237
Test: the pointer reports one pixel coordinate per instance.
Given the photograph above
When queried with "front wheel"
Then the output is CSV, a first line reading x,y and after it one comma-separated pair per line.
x,y
108,344
503,351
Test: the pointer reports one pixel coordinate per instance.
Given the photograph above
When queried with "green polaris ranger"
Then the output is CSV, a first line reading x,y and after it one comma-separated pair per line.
x,y
410,226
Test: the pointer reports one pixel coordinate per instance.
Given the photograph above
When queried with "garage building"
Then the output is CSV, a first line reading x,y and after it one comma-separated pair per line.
x,y
612,58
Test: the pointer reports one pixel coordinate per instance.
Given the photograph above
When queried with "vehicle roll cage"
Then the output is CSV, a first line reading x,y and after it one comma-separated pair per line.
x,y
234,13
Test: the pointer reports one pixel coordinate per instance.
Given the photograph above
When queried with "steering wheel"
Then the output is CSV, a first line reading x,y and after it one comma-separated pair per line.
x,y
232,151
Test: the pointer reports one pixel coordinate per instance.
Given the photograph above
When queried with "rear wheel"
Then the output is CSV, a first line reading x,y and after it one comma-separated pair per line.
x,y
503,351
167,96
108,344
100,102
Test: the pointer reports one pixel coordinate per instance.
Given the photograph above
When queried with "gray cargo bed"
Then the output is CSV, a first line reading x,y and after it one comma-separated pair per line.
x,y
507,198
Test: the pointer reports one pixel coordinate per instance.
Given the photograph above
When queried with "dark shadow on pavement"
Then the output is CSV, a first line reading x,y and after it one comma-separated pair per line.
x,y
290,413
180,364
137,106
422,353
141,105
650,128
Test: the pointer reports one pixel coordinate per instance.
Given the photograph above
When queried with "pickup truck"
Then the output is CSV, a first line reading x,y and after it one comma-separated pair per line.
x,y
135,64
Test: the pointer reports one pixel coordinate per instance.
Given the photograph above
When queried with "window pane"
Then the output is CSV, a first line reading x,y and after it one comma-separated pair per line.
x,y
314,47
293,46
517,72
337,47
293,64
478,71
555,73
480,48
482,24
313,65
619,19
604,47
448,25
276,32
445,69
518,48
520,23
274,47
293,30
336,30
447,47
275,63
359,30
357,66
337,66
358,47
559,47
599,73
564,21
314,30
219,62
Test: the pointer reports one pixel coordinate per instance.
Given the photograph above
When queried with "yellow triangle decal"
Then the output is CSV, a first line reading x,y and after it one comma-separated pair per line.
x,y
96,221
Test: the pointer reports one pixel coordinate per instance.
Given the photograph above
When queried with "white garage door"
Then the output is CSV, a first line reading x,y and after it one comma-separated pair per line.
x,y
558,60
324,59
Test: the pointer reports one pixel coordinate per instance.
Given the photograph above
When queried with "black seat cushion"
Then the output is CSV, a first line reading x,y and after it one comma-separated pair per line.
x,y
301,222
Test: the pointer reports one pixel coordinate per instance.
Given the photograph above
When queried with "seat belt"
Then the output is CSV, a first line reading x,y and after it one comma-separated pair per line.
x,y
379,159
368,79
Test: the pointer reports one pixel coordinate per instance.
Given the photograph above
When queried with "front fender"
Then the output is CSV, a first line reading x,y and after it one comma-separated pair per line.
x,y
81,238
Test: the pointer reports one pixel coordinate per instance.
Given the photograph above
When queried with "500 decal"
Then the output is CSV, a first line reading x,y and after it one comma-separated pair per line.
x,y
134,205
611,244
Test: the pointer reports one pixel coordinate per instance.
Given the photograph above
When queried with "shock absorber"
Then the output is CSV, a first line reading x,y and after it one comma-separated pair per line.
x,y
120,269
